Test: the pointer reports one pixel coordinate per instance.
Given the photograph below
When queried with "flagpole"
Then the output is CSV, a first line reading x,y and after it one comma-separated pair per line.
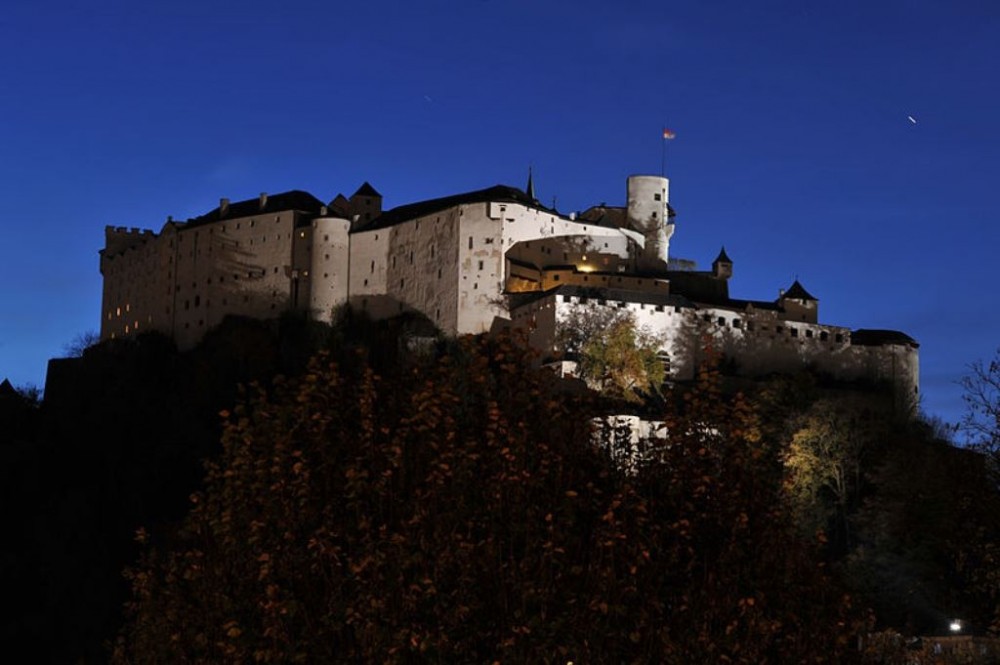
x,y
667,134
663,157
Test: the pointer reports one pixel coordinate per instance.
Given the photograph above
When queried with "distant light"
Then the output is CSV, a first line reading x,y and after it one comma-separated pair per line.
x,y
955,626
912,119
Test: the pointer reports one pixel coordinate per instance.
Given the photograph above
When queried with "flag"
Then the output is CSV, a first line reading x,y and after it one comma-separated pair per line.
x,y
668,133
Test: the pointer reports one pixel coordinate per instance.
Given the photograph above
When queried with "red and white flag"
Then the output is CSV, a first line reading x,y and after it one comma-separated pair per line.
x,y
668,133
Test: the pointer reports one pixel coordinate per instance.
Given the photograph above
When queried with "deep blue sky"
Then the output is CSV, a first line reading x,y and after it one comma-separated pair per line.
x,y
794,148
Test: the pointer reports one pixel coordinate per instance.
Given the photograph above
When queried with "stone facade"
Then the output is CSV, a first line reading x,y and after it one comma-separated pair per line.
x,y
470,263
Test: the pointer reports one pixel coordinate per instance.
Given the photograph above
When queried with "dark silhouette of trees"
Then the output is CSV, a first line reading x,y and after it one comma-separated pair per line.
x,y
458,510
982,400
389,501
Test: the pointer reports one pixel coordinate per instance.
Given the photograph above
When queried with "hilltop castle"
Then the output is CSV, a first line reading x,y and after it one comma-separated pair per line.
x,y
472,262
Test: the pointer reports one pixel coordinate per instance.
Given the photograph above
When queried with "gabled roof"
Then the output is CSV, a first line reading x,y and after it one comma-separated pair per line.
x,y
292,200
875,337
366,190
340,205
422,208
798,293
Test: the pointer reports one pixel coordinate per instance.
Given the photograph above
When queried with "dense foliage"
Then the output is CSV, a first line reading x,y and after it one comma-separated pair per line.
x,y
443,501
458,511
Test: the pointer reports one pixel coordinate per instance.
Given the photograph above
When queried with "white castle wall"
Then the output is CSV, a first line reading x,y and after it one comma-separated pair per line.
x,y
327,279
647,212
451,265
758,341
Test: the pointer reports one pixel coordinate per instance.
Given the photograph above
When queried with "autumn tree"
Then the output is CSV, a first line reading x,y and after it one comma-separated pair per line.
x,y
826,457
458,510
614,354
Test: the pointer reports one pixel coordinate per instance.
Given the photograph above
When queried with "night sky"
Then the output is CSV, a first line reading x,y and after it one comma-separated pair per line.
x,y
851,145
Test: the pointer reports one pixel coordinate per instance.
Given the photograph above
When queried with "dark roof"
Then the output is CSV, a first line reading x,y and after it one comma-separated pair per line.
x,y
796,291
291,200
422,208
722,257
340,205
366,190
873,337
7,389
616,216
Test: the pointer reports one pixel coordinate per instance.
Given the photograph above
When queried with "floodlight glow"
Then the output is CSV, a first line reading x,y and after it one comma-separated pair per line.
x,y
955,625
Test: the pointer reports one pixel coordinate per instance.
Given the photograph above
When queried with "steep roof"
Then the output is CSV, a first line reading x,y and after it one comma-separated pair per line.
x,y
366,190
723,257
798,293
876,337
422,208
292,200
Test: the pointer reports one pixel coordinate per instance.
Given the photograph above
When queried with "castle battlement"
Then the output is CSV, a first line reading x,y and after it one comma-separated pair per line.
x,y
471,262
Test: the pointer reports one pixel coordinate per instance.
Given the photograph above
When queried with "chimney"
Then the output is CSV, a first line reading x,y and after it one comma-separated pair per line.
x,y
223,207
263,200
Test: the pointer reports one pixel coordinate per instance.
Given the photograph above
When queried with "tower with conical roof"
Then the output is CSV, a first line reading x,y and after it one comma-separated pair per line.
x,y
722,266
799,304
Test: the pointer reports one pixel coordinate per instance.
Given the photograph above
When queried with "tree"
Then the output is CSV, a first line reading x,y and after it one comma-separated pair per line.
x,y
80,343
614,355
825,460
982,401
457,510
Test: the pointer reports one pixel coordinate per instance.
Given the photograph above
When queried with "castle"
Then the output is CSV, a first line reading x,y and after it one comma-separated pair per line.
x,y
471,263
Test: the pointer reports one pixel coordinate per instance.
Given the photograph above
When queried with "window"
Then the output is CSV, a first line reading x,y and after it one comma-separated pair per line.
x,y
721,321
823,335
809,333
470,242
737,323
794,332
839,338
657,197
480,265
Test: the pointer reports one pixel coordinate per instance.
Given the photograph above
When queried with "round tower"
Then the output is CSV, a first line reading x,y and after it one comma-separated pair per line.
x,y
648,214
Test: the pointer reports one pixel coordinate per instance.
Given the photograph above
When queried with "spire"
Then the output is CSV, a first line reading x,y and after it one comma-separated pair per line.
x,y
531,186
